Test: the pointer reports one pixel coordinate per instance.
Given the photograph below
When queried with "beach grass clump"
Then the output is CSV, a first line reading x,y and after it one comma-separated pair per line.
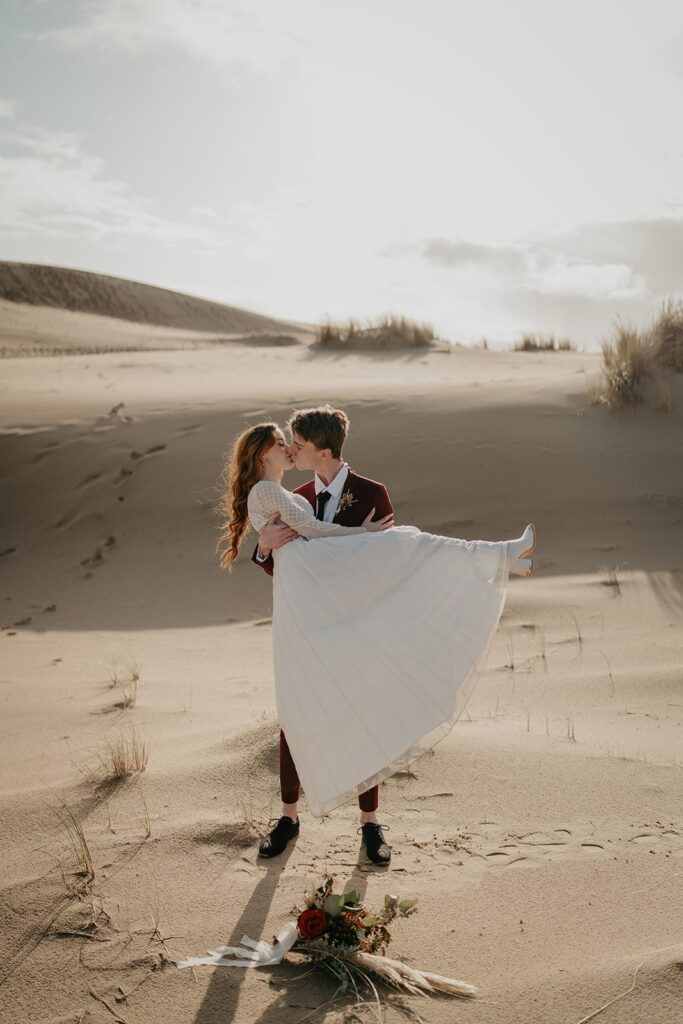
x,y
530,342
667,334
123,756
389,332
629,364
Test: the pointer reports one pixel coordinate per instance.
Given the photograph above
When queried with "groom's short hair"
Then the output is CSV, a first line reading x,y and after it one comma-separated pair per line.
x,y
324,427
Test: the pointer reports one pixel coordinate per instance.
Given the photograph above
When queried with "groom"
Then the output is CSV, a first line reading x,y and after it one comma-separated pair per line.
x,y
339,495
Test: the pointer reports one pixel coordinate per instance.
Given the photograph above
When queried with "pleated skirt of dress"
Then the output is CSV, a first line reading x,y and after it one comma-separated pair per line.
x,y
378,641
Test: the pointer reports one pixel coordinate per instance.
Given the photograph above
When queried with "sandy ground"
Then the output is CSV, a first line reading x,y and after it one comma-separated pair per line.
x,y
543,839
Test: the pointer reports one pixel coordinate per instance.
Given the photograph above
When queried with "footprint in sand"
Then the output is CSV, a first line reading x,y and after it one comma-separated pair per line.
x,y
113,417
122,475
666,839
531,848
645,837
20,622
506,858
97,558
68,519
136,456
89,479
45,450
189,430
544,838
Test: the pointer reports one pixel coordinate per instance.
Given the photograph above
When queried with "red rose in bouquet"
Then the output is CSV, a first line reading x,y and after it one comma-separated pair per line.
x,y
312,923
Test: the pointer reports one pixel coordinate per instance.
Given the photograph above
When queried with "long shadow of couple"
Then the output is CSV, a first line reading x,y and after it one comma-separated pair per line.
x,y
299,989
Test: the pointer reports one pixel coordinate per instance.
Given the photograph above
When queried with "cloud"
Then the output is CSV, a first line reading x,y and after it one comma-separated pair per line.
x,y
7,110
219,31
628,260
653,248
49,187
561,276
504,258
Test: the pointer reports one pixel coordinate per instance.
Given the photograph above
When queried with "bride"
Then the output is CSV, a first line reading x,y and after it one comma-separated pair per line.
x,y
379,631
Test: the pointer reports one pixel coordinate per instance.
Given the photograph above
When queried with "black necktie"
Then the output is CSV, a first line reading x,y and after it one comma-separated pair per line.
x,y
320,502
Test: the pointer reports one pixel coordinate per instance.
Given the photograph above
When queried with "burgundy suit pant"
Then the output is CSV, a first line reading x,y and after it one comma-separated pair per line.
x,y
290,786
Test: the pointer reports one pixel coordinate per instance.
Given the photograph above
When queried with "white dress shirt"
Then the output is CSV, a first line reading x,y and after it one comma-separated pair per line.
x,y
334,488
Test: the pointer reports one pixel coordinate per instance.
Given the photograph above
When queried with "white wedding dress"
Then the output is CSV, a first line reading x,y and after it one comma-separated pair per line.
x,y
377,642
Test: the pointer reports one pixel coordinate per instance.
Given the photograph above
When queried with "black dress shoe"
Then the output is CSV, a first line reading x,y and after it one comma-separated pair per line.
x,y
275,841
375,846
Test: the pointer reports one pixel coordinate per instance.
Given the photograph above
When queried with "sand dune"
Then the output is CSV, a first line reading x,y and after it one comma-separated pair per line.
x,y
83,292
543,838
45,309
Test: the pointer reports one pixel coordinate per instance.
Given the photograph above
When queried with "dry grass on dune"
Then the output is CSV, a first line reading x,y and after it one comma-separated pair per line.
x,y
628,362
123,757
390,332
543,343
635,361
84,865
127,687
667,334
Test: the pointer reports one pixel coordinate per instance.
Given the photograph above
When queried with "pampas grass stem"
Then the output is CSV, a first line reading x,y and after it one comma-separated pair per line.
x,y
394,973
423,982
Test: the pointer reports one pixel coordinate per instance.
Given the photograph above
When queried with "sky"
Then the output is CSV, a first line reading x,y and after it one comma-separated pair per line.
x,y
487,167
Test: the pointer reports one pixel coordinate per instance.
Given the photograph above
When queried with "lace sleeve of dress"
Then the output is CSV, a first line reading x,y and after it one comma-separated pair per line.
x,y
267,497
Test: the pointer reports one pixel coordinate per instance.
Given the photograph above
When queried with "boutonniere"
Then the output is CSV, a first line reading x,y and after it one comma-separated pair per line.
x,y
346,500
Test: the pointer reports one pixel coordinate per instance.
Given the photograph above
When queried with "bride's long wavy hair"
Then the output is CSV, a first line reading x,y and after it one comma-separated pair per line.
x,y
241,470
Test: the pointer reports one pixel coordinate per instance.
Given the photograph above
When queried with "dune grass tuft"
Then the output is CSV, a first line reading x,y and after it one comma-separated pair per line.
x,y
543,343
636,362
123,757
629,364
667,334
389,332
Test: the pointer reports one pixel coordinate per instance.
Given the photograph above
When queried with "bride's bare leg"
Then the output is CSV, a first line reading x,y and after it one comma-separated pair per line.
x,y
366,816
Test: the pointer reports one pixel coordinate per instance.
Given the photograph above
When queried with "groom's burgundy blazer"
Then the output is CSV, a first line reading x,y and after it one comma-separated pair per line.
x,y
364,494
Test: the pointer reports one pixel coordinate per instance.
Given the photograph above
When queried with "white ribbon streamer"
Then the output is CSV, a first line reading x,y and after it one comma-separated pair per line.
x,y
259,954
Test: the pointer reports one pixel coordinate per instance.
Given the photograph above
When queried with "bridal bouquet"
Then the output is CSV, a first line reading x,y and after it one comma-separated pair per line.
x,y
340,934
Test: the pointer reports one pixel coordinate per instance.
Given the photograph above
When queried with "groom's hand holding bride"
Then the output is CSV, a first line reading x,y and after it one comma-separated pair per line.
x,y
385,523
274,535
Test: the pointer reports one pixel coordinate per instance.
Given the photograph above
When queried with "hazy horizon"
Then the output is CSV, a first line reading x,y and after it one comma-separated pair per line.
x,y
489,170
